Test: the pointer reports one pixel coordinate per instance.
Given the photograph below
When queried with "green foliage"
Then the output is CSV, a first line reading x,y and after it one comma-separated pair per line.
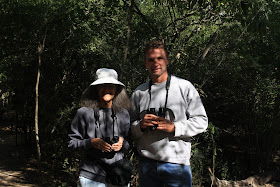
x,y
238,79
204,155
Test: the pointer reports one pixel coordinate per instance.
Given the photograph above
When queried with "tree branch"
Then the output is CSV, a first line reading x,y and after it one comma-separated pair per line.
x,y
137,11
205,52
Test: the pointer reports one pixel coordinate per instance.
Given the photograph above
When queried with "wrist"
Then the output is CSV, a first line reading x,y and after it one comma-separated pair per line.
x,y
173,128
92,141
140,125
121,139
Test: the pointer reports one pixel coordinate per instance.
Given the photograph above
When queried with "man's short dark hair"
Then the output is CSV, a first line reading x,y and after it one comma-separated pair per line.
x,y
155,45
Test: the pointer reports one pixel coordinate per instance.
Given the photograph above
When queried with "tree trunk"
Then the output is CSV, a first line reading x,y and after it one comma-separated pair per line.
x,y
37,107
40,51
127,38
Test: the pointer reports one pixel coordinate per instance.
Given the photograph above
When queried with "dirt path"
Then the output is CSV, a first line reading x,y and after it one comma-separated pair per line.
x,y
17,163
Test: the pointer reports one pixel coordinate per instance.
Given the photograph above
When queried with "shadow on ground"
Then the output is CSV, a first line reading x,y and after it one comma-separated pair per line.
x,y
18,163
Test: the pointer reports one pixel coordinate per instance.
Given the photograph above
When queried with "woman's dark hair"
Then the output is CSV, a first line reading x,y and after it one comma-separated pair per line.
x,y
90,98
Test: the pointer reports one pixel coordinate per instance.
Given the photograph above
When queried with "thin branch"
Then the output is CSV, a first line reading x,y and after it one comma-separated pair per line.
x,y
179,19
210,75
205,52
137,11
245,29
171,17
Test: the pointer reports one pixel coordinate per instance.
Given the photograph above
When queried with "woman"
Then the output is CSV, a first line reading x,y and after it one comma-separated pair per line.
x,y
101,128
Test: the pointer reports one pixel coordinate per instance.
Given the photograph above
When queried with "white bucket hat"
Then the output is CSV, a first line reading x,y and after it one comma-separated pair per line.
x,y
106,76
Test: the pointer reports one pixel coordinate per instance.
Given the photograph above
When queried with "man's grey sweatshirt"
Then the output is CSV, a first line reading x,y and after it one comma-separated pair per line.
x,y
190,119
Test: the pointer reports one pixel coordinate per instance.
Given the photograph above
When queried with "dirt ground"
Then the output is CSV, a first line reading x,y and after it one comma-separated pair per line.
x,y
17,163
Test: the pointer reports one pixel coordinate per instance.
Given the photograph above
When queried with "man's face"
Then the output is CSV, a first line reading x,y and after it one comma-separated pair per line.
x,y
156,62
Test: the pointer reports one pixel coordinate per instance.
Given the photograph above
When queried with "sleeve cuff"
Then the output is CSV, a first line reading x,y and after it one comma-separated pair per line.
x,y
88,143
136,130
178,129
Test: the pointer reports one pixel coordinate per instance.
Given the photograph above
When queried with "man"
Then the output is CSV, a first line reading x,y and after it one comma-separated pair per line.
x,y
168,112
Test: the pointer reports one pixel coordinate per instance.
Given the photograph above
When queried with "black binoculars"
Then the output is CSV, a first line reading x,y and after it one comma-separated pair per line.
x,y
160,113
110,141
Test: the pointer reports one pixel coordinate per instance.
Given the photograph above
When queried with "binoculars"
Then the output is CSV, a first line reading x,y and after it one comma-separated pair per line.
x,y
110,141
160,113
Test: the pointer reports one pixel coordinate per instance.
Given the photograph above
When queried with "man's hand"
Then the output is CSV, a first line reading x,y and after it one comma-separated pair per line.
x,y
149,120
162,124
165,125
117,146
100,144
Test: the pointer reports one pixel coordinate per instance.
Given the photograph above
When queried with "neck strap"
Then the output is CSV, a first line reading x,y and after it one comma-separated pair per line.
x,y
167,85
97,122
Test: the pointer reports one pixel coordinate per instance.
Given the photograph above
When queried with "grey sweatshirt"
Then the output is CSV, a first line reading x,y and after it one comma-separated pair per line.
x,y
87,125
189,115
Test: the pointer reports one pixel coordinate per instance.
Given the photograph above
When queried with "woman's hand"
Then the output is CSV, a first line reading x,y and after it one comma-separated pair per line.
x,y
100,144
117,146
